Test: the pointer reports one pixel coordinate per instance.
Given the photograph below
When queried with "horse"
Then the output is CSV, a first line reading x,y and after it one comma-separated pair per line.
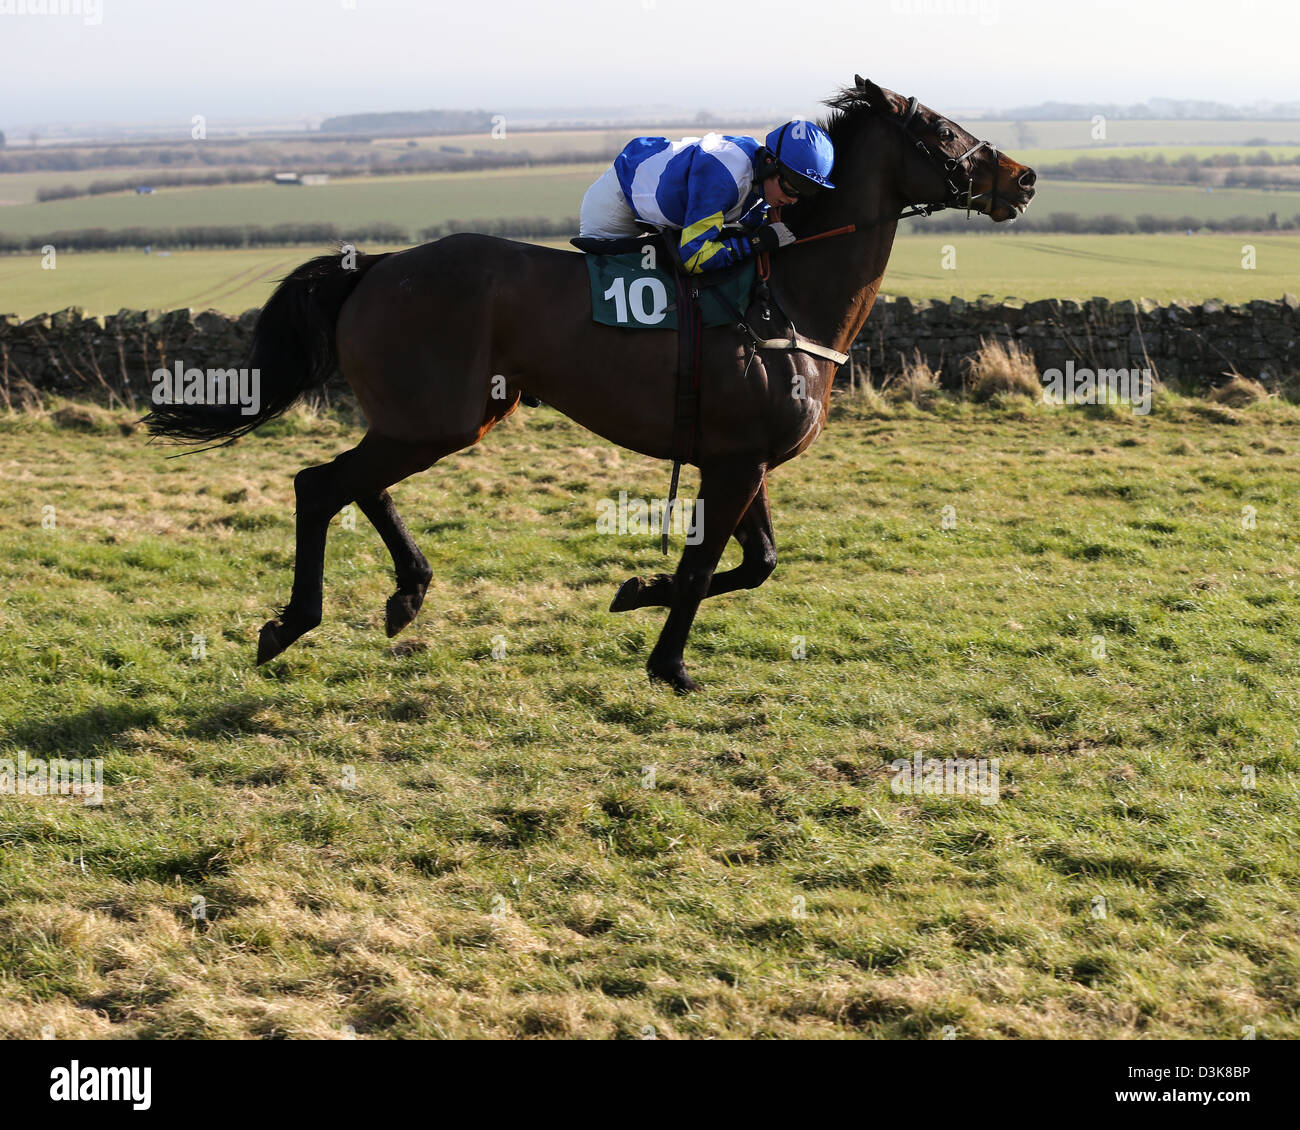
x,y
439,342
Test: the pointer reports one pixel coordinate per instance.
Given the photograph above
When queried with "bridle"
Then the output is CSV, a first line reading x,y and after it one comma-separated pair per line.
x,y
949,168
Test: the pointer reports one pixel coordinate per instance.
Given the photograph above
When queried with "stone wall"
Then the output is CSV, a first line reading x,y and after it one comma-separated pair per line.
x,y
116,356
1193,345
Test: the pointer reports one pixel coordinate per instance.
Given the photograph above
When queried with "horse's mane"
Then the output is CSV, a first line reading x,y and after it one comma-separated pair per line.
x,y
847,107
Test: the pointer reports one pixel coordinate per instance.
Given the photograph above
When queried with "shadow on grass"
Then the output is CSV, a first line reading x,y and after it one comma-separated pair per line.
x,y
83,732
96,729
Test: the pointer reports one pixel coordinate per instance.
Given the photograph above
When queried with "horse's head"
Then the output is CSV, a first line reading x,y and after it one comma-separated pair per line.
x,y
941,163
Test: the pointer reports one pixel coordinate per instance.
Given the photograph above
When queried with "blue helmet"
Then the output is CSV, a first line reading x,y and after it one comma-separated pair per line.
x,y
803,148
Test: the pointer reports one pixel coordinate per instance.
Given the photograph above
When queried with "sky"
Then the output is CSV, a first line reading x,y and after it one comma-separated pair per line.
x,y
154,60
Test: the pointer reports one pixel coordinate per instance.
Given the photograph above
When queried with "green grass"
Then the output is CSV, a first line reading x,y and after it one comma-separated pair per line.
x,y
1170,153
1155,133
1162,267
414,201
20,188
500,865
553,192
1098,198
989,261
105,282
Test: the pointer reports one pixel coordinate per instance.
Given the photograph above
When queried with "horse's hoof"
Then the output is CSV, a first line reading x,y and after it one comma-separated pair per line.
x,y
269,644
626,597
676,677
402,608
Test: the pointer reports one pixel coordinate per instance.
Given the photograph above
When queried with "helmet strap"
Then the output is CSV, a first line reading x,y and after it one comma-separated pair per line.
x,y
766,163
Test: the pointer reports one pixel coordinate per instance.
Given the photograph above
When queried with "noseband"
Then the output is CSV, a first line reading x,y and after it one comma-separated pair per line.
x,y
950,168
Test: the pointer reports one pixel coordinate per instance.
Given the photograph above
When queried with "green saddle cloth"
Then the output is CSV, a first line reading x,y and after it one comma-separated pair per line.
x,y
626,294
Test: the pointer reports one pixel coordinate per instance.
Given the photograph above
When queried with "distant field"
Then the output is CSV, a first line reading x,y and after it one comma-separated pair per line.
x,y
1073,135
20,188
414,200
1142,132
1095,198
552,192
103,283
1162,267
1170,153
550,143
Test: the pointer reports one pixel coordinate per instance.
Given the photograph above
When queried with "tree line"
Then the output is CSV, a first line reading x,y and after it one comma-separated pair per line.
x,y
275,235
540,227
202,235
339,161
1187,169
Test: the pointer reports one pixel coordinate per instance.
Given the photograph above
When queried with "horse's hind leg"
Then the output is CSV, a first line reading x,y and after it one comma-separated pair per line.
x,y
409,564
754,533
362,473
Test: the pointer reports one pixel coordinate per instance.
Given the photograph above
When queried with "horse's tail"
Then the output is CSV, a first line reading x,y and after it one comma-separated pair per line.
x,y
293,350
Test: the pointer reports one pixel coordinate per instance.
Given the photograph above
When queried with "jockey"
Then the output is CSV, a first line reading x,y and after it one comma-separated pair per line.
x,y
696,185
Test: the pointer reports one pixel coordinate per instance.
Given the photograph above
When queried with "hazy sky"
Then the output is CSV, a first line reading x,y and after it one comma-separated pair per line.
x,y
123,60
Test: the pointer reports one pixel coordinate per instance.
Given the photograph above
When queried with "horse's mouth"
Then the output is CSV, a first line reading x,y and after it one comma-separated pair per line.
x,y
1011,207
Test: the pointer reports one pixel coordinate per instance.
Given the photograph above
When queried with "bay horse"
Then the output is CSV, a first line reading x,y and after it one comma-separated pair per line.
x,y
440,341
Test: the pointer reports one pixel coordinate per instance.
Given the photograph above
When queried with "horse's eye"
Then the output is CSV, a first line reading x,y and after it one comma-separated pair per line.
x,y
945,134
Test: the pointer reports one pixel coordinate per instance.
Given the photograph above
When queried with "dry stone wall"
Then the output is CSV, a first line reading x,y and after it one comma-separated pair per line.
x,y
116,356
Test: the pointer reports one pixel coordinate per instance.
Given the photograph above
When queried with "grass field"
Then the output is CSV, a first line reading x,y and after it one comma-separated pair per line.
x,y
553,192
1077,135
1170,153
415,201
418,839
1098,198
20,188
1162,267
1076,140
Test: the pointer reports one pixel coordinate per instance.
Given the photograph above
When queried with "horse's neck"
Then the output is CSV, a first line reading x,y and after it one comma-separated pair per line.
x,y
862,268
830,286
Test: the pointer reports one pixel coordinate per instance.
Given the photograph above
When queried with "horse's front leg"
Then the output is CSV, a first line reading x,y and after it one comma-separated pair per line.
x,y
726,490
754,533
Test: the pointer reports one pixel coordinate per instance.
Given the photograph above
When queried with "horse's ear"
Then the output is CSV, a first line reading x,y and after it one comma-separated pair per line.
x,y
871,93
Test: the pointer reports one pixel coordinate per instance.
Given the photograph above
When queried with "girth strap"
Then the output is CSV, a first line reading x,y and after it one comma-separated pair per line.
x,y
690,334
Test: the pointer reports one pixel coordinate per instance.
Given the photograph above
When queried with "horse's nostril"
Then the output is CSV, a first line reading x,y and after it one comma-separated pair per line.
x,y
1027,178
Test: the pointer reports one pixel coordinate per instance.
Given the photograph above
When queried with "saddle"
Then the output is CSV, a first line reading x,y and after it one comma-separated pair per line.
x,y
690,333
665,251
727,291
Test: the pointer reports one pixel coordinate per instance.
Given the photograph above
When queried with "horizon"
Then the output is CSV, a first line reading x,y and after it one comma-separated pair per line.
x,y
525,119
145,62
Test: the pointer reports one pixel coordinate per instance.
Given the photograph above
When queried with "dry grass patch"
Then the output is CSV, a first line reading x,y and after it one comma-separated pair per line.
x,y
1238,392
1002,367
916,381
